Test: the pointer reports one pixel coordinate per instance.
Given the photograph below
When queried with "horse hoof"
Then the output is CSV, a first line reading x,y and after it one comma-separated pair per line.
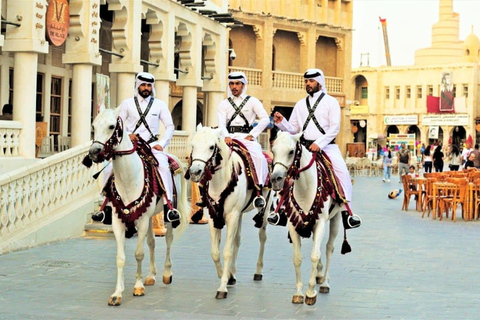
x,y
232,281
115,301
310,301
221,295
138,292
297,299
319,280
149,281
167,280
324,289
257,277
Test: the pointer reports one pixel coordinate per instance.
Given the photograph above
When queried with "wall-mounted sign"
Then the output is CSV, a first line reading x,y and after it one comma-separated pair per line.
x,y
58,21
410,119
450,119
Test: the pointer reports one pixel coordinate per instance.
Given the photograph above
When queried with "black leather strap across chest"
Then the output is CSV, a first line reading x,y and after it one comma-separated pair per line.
x,y
143,120
238,111
311,114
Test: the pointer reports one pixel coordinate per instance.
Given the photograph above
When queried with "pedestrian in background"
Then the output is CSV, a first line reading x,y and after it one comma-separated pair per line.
x,y
438,159
387,164
403,160
427,160
454,158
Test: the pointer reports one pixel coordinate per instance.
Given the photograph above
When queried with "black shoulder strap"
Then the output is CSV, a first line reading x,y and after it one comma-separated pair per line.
x,y
143,120
238,110
311,114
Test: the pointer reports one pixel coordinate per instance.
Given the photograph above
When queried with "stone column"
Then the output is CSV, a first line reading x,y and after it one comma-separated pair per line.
x,y
213,99
189,109
24,101
81,103
162,89
125,86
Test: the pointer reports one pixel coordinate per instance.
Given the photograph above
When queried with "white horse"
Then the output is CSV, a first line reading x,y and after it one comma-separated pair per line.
x,y
224,177
294,164
110,140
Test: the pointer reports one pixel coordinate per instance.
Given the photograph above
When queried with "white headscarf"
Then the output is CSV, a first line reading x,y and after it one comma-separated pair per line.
x,y
317,75
237,76
144,77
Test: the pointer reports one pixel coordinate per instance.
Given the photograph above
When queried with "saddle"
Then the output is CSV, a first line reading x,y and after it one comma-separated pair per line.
x,y
244,154
128,213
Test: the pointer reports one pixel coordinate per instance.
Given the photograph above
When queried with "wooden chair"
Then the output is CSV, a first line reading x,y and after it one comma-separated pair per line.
x,y
476,198
47,148
428,197
457,196
410,189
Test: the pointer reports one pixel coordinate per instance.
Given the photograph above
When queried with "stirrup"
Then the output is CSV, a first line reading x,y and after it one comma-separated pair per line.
x,y
171,215
351,221
277,218
259,202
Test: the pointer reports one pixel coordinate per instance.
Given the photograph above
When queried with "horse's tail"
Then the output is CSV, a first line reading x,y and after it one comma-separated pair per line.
x,y
183,203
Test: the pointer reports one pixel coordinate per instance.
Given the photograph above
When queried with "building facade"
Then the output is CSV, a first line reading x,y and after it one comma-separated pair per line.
x,y
413,101
280,39
54,52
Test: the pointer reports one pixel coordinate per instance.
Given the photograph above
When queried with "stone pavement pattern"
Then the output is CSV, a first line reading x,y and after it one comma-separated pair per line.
x,y
401,267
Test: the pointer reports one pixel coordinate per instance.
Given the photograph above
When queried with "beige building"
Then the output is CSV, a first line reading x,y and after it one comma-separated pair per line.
x,y
405,99
281,39
54,52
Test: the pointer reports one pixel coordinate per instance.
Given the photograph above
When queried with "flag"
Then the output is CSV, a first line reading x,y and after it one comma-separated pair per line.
x,y
433,105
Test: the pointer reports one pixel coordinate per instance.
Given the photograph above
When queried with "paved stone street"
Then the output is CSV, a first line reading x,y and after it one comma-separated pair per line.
x,y
401,267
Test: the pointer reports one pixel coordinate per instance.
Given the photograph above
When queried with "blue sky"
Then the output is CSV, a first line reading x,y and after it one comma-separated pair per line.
x,y
409,25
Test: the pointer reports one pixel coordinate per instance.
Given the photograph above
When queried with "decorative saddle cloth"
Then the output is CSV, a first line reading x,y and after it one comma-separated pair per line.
x,y
244,154
153,185
327,185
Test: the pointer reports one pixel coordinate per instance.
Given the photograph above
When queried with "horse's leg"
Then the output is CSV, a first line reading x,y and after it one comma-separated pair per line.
x,y
167,274
231,222
152,272
215,235
119,232
142,229
236,246
318,233
262,237
297,262
334,228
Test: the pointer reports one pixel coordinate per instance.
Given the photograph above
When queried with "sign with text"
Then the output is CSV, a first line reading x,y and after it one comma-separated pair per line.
x,y
58,21
410,119
451,119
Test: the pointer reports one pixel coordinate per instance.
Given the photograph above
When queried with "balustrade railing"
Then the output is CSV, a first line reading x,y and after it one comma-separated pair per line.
x,y
33,195
9,138
179,146
254,76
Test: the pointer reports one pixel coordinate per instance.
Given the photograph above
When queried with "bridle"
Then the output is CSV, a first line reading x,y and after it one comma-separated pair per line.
x,y
212,164
108,152
293,171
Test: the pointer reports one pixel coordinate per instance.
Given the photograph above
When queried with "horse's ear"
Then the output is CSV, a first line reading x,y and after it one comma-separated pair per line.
x,y
297,136
101,108
117,111
218,132
199,126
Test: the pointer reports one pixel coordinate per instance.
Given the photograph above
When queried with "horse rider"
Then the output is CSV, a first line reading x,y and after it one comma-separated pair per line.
x,y
141,115
318,116
236,116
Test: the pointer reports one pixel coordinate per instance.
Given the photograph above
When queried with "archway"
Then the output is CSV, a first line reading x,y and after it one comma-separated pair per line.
x,y
459,135
177,114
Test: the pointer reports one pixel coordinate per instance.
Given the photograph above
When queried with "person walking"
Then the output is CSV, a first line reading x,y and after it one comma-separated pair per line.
x,y
454,158
438,159
403,159
427,159
236,116
387,164
318,117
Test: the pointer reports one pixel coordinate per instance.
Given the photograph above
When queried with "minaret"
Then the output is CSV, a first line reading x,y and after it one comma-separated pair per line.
x,y
446,46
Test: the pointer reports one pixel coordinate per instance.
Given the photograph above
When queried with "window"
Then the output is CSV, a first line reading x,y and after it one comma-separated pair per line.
x,y
397,93
419,92
364,92
55,106
69,130
465,90
430,90
408,93
387,92
39,97
454,91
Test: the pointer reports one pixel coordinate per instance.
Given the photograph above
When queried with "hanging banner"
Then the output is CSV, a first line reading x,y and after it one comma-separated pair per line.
x,y
103,90
446,93
57,21
433,132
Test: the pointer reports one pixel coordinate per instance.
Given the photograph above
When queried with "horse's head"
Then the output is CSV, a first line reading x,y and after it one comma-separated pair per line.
x,y
206,145
107,132
283,155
